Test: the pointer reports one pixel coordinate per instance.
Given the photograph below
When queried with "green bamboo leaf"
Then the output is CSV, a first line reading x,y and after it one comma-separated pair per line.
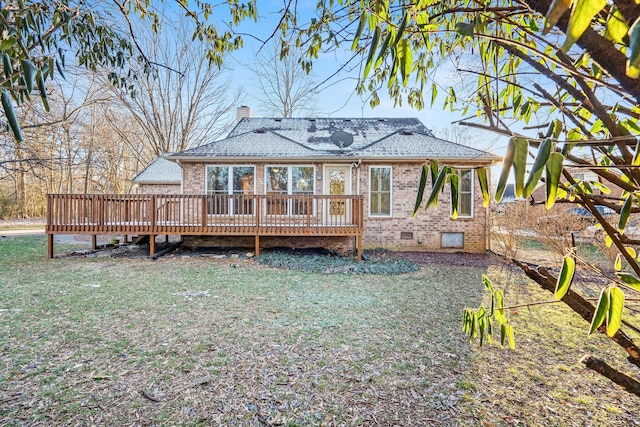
x,y
473,329
374,46
636,156
466,321
453,180
484,186
556,10
553,172
487,283
482,324
630,280
520,164
434,172
538,166
614,314
618,263
29,72
437,187
6,64
581,15
356,37
12,119
633,59
617,26
554,130
625,212
566,277
602,308
406,63
384,47
503,334
43,90
603,188
402,27
423,183
60,69
510,336
507,162
434,94
499,313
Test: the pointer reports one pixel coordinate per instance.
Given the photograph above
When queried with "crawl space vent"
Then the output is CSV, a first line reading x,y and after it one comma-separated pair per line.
x,y
406,235
452,240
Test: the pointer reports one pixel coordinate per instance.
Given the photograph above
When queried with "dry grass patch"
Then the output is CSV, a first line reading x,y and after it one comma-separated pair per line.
x,y
193,341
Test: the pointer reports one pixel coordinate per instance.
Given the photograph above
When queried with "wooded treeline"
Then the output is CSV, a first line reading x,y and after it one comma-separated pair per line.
x,y
96,136
85,144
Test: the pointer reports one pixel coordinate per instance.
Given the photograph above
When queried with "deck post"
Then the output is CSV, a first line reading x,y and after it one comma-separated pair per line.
x,y
257,252
204,211
49,246
152,245
94,243
359,239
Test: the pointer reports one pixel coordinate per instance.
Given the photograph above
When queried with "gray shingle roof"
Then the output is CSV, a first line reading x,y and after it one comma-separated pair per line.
x,y
161,171
394,138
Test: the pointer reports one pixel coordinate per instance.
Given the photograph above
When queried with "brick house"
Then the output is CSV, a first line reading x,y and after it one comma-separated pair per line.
x,y
379,160
160,177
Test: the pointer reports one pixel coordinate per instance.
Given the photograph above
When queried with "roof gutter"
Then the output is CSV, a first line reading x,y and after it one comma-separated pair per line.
x,y
493,160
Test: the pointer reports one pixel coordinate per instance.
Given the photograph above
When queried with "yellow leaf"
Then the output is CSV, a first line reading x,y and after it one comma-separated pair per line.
x,y
581,15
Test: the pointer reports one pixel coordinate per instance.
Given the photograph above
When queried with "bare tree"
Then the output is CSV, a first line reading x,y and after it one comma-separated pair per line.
x,y
184,104
479,139
284,87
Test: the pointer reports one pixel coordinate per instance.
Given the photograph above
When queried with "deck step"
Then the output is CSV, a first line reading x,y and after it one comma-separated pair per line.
x,y
140,240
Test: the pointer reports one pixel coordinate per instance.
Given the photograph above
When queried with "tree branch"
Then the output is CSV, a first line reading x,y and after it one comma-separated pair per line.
x,y
578,304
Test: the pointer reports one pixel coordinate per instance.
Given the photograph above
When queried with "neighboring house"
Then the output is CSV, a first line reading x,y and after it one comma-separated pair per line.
x,y
298,159
160,177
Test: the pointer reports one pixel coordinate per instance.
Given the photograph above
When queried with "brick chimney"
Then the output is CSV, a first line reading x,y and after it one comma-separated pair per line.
x,y
242,112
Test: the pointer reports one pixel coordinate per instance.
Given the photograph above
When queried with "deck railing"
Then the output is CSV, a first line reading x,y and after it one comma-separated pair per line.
x,y
259,215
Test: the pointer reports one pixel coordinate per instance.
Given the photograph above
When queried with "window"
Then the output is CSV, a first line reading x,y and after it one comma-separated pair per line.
x,y
380,191
289,180
465,193
234,181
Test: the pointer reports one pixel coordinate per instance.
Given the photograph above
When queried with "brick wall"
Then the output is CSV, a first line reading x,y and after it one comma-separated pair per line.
x,y
423,233
427,227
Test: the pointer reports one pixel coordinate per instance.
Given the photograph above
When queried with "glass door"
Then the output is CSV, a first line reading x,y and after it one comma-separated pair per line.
x,y
337,182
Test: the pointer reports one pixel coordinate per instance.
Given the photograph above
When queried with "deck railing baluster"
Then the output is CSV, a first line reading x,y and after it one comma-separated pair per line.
x,y
213,214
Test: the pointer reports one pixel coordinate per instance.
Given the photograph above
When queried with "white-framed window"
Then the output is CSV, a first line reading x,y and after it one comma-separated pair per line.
x,y
235,181
292,180
380,185
465,193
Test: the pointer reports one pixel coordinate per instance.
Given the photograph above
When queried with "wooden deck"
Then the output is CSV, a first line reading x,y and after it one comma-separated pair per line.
x,y
204,215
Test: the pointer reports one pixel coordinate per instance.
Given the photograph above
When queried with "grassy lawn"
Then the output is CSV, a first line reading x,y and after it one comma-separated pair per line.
x,y
202,341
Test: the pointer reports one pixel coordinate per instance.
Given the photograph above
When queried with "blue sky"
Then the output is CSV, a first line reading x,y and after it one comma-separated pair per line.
x,y
338,99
